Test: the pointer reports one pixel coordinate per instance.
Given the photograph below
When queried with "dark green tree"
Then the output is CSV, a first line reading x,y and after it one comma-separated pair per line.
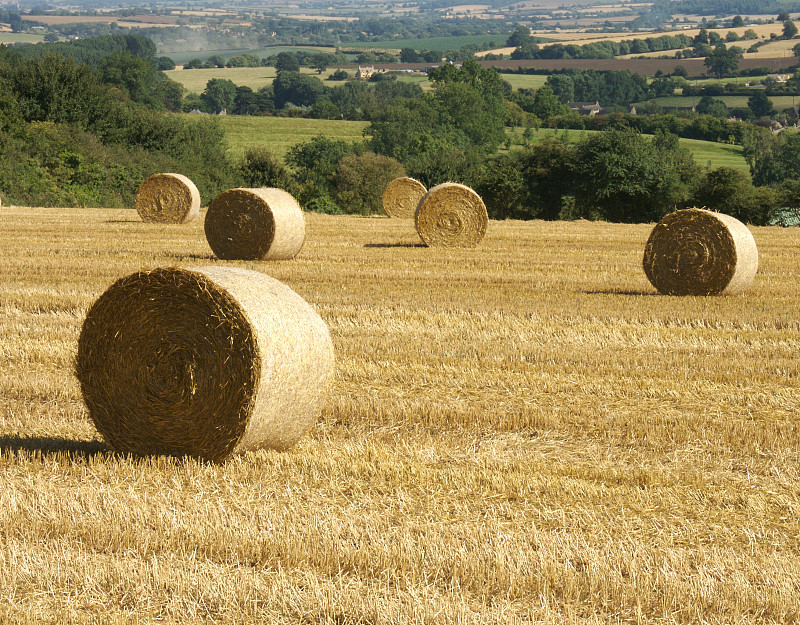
x,y
315,162
548,169
219,94
546,103
737,21
760,104
789,30
259,168
360,179
287,62
215,60
712,106
520,37
296,88
503,187
136,76
623,177
321,61
409,55
723,61
164,63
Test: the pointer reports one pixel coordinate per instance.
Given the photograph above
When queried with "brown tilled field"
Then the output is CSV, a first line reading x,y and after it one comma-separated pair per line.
x,y
520,432
645,67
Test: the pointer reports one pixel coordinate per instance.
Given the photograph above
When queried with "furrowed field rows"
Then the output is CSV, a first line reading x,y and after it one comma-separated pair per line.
x,y
524,431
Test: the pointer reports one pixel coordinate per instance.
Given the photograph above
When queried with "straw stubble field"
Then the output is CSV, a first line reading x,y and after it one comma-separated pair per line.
x,y
520,432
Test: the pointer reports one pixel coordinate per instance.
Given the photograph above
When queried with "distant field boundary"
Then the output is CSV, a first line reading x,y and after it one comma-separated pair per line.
x,y
645,67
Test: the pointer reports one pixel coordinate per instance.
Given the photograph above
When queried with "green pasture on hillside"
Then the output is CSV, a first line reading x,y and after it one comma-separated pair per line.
x,y
278,134
20,38
524,81
705,153
195,80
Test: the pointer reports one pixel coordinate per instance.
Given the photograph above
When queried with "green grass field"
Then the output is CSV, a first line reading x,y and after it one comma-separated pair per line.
x,y
20,38
706,153
195,80
278,134
524,81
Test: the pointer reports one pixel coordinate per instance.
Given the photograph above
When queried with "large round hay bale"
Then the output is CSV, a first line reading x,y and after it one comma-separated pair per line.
x,y
401,197
255,224
451,215
168,198
700,252
205,362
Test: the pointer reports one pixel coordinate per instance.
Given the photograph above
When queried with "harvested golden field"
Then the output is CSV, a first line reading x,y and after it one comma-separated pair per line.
x,y
579,38
520,432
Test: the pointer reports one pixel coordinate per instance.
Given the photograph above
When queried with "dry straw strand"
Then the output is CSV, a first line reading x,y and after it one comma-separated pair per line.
x,y
255,224
168,198
206,362
402,196
699,252
451,215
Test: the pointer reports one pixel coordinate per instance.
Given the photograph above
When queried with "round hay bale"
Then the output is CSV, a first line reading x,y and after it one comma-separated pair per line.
x,y
255,224
206,362
168,199
401,197
700,252
451,215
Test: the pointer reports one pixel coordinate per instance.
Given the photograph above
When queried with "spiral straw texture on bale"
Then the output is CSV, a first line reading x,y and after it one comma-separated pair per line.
x,y
168,198
700,252
451,215
401,197
255,224
206,362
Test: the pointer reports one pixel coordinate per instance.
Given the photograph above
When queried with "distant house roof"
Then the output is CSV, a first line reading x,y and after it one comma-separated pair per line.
x,y
586,108
778,77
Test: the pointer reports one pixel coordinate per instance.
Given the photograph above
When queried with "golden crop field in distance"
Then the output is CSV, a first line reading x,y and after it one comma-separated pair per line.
x,y
521,432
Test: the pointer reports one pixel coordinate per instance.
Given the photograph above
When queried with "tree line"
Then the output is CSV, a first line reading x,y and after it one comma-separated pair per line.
x,y
81,134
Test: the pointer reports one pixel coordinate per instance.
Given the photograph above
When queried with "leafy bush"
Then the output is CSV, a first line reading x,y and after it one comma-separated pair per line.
x,y
323,204
360,180
260,169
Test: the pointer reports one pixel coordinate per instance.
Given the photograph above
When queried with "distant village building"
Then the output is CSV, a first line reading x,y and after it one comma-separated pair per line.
x,y
586,108
778,77
365,73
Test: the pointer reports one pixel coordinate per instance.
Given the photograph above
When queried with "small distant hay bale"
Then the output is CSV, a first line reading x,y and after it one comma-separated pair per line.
x,y
700,252
206,362
255,224
168,199
402,196
451,215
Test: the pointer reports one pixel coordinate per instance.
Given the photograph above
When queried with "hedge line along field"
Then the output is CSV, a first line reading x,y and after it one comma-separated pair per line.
x,y
519,432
